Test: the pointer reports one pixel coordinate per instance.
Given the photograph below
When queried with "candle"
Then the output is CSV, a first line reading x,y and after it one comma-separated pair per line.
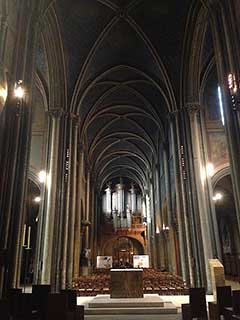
x,y
24,235
29,235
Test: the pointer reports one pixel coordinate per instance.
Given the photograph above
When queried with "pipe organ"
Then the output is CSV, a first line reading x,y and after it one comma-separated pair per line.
x,y
120,203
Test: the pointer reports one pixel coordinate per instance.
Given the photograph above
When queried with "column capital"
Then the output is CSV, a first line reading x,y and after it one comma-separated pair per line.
x,y
193,107
172,114
75,117
55,113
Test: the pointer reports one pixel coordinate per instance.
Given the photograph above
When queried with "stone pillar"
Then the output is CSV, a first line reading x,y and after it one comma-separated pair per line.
x,y
87,240
73,194
167,185
50,214
158,215
15,140
169,206
200,181
179,210
226,45
67,204
77,231
93,221
3,34
185,216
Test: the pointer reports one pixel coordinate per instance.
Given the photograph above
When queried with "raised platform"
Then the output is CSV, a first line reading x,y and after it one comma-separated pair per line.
x,y
149,304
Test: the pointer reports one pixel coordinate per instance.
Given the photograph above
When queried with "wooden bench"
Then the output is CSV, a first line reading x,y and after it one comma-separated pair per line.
x,y
196,308
224,299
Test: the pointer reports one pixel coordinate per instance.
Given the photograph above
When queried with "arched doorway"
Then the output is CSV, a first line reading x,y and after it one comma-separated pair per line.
x,y
123,250
227,224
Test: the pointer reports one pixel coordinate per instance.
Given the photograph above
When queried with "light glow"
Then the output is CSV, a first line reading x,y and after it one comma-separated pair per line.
x,y
210,169
18,90
217,196
3,94
165,228
42,176
37,199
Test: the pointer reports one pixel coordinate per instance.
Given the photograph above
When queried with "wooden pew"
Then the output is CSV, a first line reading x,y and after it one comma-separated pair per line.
x,y
224,299
57,307
4,309
40,295
196,308
235,309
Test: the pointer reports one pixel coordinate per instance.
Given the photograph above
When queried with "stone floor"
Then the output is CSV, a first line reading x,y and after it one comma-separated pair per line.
x,y
176,301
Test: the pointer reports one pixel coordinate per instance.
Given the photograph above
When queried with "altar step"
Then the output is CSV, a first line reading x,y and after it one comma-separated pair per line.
x,y
149,304
126,311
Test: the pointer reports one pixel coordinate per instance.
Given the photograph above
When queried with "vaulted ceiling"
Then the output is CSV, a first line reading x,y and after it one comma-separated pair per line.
x,y
123,63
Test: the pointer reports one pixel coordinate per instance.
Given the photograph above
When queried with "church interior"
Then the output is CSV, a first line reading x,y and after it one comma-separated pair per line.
x,y
119,143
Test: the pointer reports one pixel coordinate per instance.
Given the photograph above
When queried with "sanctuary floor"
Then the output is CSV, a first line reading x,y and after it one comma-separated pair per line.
x,y
176,300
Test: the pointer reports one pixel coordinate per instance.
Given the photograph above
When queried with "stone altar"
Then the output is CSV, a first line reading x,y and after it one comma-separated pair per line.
x,y
126,283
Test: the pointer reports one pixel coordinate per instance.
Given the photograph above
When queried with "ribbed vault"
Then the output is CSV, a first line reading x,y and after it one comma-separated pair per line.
x,y
120,80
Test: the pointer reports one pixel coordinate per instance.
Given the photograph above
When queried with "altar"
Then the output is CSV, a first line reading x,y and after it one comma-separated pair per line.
x,y
126,283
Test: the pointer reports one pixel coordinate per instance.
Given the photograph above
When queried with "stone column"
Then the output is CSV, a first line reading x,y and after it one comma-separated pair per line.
x,y
153,225
169,205
50,214
200,181
185,215
226,45
67,204
77,231
158,214
87,240
167,185
9,159
15,141
93,221
179,211
3,34
73,194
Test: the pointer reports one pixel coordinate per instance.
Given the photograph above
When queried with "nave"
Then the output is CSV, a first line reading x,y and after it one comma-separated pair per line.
x,y
119,143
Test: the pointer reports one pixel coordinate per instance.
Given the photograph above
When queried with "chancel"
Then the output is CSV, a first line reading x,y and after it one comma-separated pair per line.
x,y
119,145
